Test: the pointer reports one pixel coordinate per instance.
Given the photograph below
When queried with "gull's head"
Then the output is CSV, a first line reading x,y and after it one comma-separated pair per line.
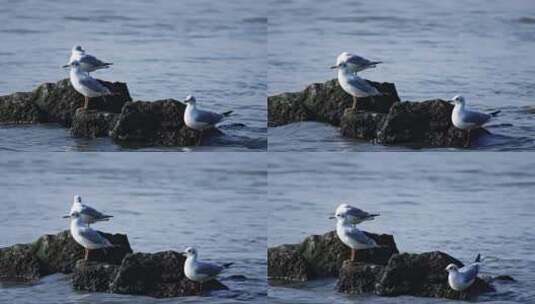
x,y
190,252
341,212
341,60
451,268
77,48
77,199
190,100
458,100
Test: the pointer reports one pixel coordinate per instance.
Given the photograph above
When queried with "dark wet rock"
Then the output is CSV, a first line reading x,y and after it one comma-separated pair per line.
x,y
93,276
19,263
382,119
427,122
358,278
157,275
322,256
362,125
92,124
421,275
60,101
55,253
325,102
19,108
154,123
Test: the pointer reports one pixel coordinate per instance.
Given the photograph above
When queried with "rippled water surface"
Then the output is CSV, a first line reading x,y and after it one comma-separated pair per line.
x,y
459,203
215,50
430,49
162,201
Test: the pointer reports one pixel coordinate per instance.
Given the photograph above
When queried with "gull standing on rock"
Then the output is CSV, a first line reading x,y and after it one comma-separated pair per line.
x,y
347,218
200,271
201,120
87,85
85,236
348,65
468,120
88,214
88,63
460,279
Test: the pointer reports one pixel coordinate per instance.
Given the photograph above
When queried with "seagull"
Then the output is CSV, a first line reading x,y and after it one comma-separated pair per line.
x,y
88,63
85,236
200,271
88,214
460,279
347,232
354,215
201,120
466,119
86,85
348,65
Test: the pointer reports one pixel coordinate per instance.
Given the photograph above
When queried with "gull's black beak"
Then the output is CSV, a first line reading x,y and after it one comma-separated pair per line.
x,y
66,216
333,67
66,66
451,101
332,217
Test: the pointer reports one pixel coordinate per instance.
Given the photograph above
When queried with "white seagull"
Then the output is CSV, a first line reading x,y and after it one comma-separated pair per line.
x,y
201,120
460,279
88,63
200,271
348,65
468,120
347,218
87,237
88,214
354,215
86,85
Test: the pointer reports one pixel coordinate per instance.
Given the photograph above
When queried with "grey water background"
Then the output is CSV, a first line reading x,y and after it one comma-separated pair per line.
x,y
459,203
162,201
430,49
215,50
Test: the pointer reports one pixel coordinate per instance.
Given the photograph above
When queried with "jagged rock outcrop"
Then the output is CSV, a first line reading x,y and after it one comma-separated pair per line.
x,y
382,271
92,124
322,256
154,123
421,275
114,270
325,103
143,123
54,253
60,101
383,119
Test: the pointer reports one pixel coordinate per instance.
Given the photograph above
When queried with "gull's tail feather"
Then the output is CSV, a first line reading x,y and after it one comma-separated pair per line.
x,y
478,258
495,113
226,114
227,265
105,218
374,215
374,63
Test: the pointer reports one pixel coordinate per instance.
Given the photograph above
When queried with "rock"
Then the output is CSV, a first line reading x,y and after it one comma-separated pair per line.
x,y
358,278
427,122
92,124
361,125
54,253
19,263
322,256
421,275
157,275
93,276
382,119
154,123
325,103
19,108
60,101
286,263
